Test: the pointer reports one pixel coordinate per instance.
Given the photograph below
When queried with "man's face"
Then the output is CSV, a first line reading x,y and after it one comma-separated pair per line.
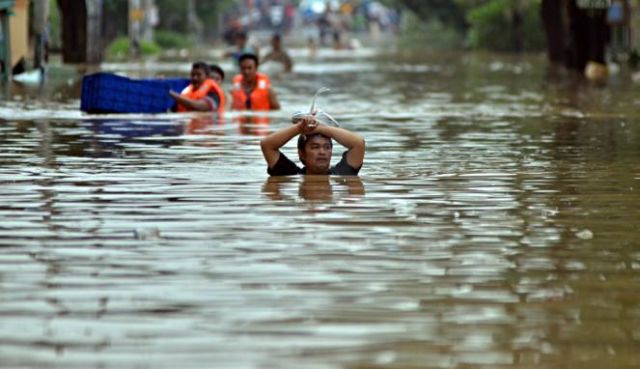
x,y
317,155
248,69
216,77
275,43
197,76
241,41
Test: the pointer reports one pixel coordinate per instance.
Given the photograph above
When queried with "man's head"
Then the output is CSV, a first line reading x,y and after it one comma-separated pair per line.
x,y
217,74
248,66
276,42
241,39
199,72
315,152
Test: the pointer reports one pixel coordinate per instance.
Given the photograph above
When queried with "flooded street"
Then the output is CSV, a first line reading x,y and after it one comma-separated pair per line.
x,y
493,225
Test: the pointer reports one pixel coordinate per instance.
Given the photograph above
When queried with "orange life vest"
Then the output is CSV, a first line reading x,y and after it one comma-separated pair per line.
x,y
259,96
205,89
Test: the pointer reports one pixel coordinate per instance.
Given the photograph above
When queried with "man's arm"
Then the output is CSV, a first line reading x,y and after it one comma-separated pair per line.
x,y
271,144
273,100
267,57
197,105
288,63
354,142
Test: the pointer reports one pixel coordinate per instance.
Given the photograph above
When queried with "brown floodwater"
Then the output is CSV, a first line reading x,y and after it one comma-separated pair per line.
x,y
494,224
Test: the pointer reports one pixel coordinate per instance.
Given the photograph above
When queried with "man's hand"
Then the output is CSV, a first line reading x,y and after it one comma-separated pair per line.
x,y
308,124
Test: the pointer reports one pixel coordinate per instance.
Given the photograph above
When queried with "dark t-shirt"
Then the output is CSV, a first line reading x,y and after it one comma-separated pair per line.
x,y
285,167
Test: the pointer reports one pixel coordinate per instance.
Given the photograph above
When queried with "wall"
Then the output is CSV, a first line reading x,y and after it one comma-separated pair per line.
x,y
19,25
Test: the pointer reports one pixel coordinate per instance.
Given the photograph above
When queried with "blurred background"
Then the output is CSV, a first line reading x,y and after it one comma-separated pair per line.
x,y
573,32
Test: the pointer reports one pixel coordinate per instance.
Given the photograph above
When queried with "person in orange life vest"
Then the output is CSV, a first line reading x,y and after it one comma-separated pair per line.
x,y
217,74
251,90
203,94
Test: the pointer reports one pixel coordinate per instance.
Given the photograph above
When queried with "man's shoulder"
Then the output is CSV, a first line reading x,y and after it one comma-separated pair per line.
x,y
284,167
343,168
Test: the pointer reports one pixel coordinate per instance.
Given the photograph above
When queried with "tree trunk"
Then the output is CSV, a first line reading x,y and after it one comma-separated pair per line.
x,y
95,42
552,16
589,35
574,36
195,24
135,27
39,21
81,31
74,30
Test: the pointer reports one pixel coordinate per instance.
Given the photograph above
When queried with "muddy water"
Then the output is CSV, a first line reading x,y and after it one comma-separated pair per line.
x,y
494,225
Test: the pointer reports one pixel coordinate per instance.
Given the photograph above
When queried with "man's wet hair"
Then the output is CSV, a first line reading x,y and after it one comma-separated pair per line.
x,y
303,139
201,65
246,56
215,68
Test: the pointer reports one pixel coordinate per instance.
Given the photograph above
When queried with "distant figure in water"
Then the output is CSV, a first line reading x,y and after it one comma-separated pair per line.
x,y
242,46
278,54
315,147
202,94
251,90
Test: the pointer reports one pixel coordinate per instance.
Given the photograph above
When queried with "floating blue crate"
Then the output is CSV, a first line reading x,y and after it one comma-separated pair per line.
x,y
109,93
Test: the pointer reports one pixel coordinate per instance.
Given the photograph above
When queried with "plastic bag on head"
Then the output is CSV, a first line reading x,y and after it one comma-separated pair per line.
x,y
319,116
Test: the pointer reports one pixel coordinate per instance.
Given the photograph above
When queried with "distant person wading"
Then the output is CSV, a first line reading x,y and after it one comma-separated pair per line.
x,y
278,54
251,90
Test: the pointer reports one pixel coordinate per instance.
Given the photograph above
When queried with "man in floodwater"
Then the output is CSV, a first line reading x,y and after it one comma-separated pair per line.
x,y
279,54
251,90
241,41
202,94
315,148
216,73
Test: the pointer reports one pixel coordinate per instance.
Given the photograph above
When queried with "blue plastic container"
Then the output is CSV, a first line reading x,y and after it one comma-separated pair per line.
x,y
109,93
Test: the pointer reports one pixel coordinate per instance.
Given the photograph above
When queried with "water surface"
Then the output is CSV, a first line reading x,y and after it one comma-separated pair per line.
x,y
494,225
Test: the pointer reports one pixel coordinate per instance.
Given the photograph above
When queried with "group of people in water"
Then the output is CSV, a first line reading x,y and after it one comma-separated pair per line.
x,y
251,91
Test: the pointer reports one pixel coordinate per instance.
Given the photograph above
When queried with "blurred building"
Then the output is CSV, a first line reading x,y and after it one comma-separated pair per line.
x,y
6,9
22,22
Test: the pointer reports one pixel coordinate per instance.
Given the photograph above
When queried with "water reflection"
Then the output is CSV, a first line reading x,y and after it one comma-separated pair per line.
x,y
498,228
207,125
254,124
314,189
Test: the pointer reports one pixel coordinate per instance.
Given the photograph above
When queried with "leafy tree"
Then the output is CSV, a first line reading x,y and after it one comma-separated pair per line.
x,y
448,12
501,25
506,25
174,17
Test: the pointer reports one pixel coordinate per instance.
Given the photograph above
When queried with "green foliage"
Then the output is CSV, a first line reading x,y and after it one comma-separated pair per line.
x,y
448,12
499,25
149,48
503,25
171,40
119,48
432,34
173,15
